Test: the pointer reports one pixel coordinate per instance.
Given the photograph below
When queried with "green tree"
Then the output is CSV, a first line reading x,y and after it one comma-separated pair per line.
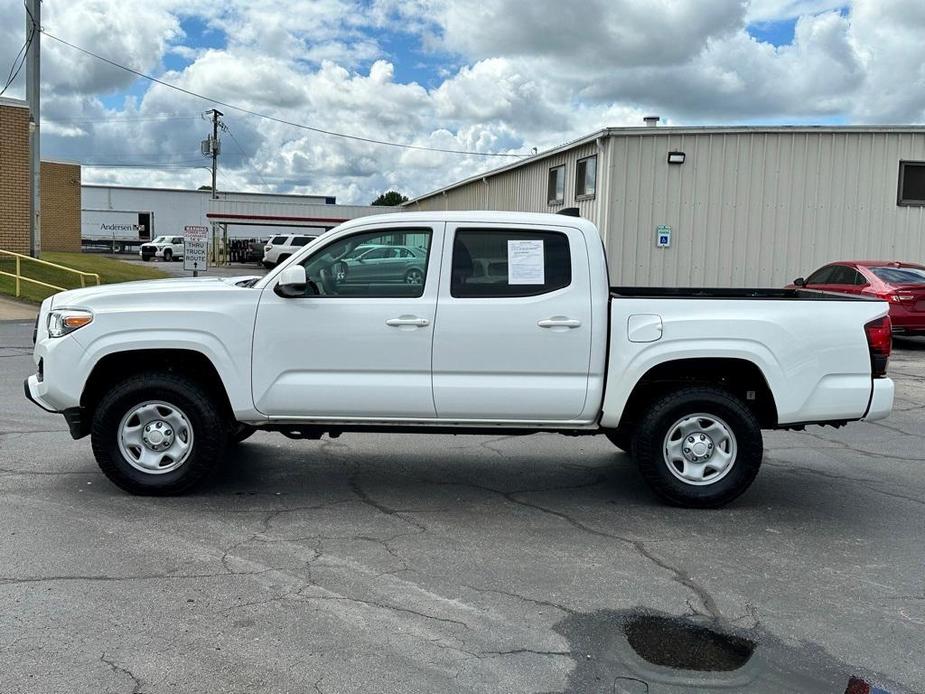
x,y
392,198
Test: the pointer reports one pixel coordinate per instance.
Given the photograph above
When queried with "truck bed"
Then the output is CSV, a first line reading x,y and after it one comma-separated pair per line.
x,y
769,293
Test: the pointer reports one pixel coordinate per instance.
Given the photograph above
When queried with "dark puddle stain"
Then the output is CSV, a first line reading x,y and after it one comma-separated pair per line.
x,y
645,652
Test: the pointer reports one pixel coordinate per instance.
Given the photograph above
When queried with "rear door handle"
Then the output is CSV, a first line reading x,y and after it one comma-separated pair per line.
x,y
559,322
405,320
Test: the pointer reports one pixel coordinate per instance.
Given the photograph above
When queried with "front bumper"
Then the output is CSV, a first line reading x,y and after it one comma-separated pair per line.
x,y
75,417
881,400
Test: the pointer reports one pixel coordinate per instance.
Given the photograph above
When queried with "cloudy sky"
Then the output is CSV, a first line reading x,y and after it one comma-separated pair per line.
x,y
476,75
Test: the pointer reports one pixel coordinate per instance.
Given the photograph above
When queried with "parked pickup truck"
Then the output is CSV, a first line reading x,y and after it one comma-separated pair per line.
x,y
513,329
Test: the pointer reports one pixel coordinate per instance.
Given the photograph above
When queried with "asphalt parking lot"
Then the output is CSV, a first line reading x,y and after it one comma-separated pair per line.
x,y
388,563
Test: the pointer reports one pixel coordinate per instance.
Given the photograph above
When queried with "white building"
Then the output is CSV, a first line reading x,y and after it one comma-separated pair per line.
x,y
725,206
122,212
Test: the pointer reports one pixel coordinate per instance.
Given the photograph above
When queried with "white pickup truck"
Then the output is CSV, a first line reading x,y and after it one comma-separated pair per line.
x,y
513,328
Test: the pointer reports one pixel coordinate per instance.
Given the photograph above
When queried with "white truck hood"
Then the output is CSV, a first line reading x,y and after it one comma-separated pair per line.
x,y
145,291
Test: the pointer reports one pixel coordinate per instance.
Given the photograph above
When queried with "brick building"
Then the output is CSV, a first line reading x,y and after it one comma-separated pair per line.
x,y
60,182
14,176
60,206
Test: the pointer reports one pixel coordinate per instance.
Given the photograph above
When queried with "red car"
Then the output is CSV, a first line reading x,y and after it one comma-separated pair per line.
x,y
902,284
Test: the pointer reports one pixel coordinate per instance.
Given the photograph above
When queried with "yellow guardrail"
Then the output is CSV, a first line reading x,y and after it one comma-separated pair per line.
x,y
20,278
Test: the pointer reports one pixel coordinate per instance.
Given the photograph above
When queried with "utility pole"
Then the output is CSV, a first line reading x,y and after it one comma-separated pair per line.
x,y
212,146
215,147
33,97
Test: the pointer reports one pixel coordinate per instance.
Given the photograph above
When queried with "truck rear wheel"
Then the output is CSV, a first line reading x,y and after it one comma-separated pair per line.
x,y
158,433
698,447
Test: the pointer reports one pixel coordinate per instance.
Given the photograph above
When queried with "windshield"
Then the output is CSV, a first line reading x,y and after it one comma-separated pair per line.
x,y
900,275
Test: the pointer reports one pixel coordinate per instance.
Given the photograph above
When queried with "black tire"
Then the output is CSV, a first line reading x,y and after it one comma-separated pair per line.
x,y
240,432
207,422
168,255
414,277
649,445
146,258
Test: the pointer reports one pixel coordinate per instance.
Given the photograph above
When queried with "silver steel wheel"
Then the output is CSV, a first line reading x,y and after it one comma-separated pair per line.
x,y
414,277
700,449
155,437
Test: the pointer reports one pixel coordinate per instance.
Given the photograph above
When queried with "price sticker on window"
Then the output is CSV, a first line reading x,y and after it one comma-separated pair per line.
x,y
526,263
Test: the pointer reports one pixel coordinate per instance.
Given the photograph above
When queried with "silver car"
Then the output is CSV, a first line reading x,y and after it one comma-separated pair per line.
x,y
386,264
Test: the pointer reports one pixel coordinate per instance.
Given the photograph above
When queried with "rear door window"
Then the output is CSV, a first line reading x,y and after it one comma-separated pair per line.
x,y
509,263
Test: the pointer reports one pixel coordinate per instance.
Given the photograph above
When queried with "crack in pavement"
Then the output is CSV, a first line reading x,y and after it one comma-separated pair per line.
x,y
119,670
519,651
91,578
382,508
677,574
524,598
380,605
844,478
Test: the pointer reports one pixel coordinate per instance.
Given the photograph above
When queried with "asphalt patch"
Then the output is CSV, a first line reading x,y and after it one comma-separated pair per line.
x,y
644,652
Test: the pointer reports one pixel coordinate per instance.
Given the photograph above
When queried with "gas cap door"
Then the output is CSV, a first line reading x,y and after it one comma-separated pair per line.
x,y
644,327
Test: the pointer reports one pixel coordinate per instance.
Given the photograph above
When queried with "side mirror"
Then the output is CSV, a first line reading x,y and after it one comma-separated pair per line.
x,y
800,282
292,282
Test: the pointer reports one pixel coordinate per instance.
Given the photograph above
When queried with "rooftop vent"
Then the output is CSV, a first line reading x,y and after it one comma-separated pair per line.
x,y
651,121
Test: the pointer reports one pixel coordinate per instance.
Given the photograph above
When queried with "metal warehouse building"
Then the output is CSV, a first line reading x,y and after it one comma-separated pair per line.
x,y
723,206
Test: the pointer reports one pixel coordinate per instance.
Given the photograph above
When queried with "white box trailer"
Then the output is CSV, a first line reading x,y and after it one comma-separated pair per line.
x,y
115,231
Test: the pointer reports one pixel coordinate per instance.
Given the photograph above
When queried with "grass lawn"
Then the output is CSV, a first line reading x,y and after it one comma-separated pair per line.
x,y
109,270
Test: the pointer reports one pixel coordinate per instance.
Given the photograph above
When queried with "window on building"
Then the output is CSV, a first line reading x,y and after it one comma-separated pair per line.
x,y
911,183
586,177
555,191
482,264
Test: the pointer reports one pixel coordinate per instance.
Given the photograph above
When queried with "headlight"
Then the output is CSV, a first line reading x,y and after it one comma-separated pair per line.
x,y
65,321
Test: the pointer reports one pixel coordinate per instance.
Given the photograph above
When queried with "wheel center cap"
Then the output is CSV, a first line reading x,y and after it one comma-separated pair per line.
x,y
698,447
157,435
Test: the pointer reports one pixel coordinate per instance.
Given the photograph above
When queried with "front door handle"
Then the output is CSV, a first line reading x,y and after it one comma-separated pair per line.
x,y
559,322
407,320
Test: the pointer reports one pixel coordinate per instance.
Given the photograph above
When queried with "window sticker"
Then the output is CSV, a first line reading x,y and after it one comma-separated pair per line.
x,y
525,262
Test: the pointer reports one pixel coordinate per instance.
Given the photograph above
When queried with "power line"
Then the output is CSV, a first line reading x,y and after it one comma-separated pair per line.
x,y
11,77
266,116
122,120
245,154
111,165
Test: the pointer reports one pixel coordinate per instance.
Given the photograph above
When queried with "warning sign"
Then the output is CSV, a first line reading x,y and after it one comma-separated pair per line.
x,y
195,248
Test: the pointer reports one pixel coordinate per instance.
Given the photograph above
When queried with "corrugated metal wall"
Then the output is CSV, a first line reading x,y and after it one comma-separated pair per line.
x,y
522,189
758,208
746,207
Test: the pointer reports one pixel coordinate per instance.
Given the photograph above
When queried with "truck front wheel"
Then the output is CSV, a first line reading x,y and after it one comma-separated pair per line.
x,y
158,433
698,447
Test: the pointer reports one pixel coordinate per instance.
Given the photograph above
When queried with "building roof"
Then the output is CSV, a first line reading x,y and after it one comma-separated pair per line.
x,y
208,192
16,103
672,130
